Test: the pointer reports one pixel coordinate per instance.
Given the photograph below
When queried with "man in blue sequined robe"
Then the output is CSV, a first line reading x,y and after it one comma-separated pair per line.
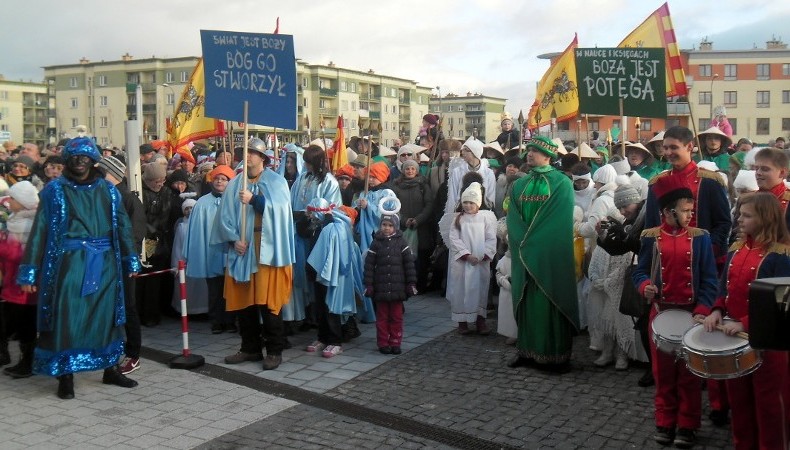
x,y
79,249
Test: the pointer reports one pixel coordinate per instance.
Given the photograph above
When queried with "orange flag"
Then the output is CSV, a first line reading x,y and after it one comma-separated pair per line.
x,y
190,122
657,32
339,153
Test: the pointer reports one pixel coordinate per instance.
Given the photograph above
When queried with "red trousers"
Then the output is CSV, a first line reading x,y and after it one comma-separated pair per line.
x,y
389,324
717,395
678,399
759,408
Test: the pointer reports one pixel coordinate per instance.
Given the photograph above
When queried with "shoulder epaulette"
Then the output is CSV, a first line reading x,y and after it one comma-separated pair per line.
x,y
704,173
737,245
696,232
782,249
651,232
658,176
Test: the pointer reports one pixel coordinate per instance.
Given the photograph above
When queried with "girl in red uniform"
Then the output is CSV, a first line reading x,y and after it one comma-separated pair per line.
x,y
759,409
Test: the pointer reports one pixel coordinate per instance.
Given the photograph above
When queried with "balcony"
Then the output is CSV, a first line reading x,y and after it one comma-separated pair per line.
x,y
678,109
149,108
149,87
369,96
327,111
404,117
327,92
404,100
375,115
475,113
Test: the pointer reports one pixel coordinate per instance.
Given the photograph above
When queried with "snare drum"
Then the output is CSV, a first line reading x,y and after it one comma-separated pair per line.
x,y
668,327
717,356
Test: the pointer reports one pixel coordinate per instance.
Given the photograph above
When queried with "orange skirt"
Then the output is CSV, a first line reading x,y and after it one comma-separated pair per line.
x,y
269,286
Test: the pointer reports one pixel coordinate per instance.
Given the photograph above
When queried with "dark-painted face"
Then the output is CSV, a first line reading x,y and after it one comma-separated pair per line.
x,y
79,165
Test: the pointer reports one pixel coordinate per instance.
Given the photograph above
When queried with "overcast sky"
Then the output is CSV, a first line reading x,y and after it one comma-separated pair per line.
x,y
486,46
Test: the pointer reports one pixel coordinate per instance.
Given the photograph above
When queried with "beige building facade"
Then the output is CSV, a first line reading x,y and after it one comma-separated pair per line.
x,y
472,114
24,110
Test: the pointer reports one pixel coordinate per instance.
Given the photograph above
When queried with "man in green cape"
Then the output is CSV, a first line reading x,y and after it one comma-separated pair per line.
x,y
540,234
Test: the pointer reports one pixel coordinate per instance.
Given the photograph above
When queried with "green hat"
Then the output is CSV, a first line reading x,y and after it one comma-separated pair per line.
x,y
543,145
493,163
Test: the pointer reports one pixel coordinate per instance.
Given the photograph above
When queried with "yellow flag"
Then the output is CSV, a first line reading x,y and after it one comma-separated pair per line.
x,y
657,32
557,94
190,122
339,153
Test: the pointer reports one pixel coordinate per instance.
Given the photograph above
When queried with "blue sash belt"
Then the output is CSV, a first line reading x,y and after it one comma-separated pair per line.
x,y
94,263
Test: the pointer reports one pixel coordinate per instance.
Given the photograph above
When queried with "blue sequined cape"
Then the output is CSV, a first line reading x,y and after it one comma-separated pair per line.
x,y
79,331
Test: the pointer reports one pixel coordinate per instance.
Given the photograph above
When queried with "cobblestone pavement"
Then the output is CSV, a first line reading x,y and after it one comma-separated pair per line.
x,y
444,391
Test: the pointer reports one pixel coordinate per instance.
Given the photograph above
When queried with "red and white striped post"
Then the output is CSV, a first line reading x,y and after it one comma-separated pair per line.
x,y
187,360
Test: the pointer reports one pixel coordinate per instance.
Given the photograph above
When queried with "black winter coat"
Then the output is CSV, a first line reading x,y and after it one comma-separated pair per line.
x,y
389,267
136,212
416,203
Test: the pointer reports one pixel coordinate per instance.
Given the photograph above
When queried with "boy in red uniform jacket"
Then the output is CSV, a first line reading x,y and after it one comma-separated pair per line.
x,y
684,273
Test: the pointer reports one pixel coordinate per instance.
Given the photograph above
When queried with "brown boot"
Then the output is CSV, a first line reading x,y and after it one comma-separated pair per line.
x,y
272,362
482,328
463,328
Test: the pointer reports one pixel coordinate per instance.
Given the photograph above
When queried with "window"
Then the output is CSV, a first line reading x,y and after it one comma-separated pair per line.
x,y
170,99
705,98
304,102
786,70
3,95
74,122
353,124
386,126
731,98
460,121
353,87
353,105
344,105
703,124
785,124
395,109
394,126
594,125
460,107
184,76
785,96
103,121
616,123
763,99
705,70
74,102
103,101
343,86
169,77
734,125
647,125
4,127
345,123
420,99
133,78
763,71
730,71
102,80
763,125
73,82
322,104
386,109
304,82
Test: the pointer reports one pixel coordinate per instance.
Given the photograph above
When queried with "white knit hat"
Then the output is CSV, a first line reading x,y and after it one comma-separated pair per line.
x,y
25,193
475,146
188,203
473,193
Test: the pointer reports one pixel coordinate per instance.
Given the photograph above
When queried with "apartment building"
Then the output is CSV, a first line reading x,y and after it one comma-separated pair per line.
x,y
473,114
101,95
753,85
23,112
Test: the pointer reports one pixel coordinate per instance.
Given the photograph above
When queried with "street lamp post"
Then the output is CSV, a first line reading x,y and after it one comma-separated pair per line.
x,y
173,93
715,75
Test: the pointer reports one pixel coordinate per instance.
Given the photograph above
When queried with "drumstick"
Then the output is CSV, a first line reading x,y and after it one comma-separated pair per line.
x,y
740,334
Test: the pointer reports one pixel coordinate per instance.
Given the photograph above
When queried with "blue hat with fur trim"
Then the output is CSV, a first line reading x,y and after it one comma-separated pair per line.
x,y
81,146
